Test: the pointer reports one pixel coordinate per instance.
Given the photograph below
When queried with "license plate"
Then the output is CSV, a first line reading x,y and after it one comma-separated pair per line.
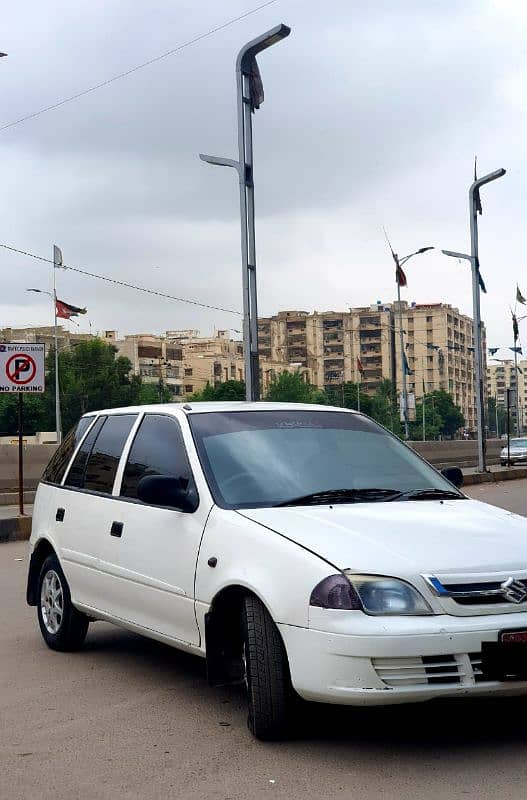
x,y
505,659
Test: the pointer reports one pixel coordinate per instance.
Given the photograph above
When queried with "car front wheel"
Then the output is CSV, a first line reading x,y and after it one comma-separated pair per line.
x,y
62,626
269,689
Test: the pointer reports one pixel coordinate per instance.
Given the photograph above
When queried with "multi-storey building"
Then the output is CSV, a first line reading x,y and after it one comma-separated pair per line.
x,y
185,362
439,346
44,335
324,346
328,346
502,376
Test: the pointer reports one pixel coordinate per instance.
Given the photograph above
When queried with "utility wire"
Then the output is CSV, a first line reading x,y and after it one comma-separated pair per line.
x,y
122,283
137,67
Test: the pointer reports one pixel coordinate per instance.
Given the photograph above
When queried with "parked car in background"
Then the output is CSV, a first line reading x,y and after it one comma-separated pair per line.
x,y
302,550
518,452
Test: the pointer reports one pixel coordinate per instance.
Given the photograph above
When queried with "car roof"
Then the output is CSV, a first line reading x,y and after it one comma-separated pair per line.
x,y
208,407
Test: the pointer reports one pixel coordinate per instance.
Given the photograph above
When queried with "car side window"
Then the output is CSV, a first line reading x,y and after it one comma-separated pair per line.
x,y
54,472
105,455
158,449
76,472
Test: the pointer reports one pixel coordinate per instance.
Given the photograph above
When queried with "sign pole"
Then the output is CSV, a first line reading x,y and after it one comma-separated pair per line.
x,y
21,454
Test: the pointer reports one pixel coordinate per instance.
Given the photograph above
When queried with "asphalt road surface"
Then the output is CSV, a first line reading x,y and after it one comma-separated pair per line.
x,y
129,718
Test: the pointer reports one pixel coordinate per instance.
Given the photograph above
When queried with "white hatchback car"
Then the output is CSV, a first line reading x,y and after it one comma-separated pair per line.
x,y
301,549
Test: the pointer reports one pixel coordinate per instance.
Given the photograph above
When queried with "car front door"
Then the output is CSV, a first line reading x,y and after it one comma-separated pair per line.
x,y
153,550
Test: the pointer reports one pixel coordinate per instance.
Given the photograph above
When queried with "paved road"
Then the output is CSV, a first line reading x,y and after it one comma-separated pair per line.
x,y
507,494
128,718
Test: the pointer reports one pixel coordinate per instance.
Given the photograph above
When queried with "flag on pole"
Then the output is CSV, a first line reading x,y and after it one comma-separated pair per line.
x,y
515,329
519,297
360,367
66,310
57,258
400,277
256,89
477,198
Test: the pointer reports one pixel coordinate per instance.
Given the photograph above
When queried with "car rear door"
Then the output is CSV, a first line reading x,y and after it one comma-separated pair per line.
x,y
154,552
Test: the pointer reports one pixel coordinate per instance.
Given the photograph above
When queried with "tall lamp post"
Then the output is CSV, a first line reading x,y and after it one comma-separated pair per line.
x,y
249,98
400,280
477,285
53,295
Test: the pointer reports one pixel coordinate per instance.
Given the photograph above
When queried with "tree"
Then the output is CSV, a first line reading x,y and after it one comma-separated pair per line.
x,y
491,418
451,416
384,408
229,390
433,421
290,387
34,414
345,396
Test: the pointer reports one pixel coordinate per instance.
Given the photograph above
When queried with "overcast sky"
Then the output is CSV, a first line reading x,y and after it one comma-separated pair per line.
x,y
373,114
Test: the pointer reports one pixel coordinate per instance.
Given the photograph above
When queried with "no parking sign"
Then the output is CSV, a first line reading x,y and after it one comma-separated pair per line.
x,y
22,368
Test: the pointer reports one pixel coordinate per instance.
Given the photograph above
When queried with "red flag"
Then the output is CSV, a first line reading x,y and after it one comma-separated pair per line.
x,y
359,366
66,310
400,277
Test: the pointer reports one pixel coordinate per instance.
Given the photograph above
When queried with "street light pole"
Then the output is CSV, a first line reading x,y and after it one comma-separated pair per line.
x,y
400,279
474,206
473,195
249,97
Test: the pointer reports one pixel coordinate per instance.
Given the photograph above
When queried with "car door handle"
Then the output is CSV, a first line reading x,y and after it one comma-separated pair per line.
x,y
116,529
59,516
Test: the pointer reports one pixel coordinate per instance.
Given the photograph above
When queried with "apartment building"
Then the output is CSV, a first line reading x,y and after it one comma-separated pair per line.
x,y
326,346
502,376
185,362
44,334
439,346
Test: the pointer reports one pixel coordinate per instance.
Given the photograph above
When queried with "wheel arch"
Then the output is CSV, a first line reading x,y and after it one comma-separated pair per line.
x,y
41,551
223,635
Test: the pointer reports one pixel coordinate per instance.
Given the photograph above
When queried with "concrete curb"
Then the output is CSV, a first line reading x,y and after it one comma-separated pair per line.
x,y
512,474
11,498
15,529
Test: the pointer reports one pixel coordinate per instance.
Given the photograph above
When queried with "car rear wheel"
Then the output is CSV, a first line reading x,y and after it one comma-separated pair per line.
x,y
62,626
267,678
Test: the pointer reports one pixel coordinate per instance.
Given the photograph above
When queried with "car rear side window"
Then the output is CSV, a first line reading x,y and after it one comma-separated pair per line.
x,y
158,449
103,460
56,468
76,472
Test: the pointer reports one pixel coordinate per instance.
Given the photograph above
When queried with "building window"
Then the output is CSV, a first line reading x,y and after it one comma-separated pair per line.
x,y
188,372
189,388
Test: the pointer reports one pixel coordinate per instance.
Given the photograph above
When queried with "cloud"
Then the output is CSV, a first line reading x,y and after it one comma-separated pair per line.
x,y
372,116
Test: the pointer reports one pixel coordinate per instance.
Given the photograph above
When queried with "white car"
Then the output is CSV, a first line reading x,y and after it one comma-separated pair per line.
x,y
518,452
300,549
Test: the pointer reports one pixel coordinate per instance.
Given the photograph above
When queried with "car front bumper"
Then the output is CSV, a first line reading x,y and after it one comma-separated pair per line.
x,y
442,658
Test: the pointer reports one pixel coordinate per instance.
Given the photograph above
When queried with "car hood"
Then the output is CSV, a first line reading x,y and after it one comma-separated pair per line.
x,y
405,538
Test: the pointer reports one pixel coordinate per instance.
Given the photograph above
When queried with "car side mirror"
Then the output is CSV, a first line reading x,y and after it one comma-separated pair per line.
x,y
164,490
454,475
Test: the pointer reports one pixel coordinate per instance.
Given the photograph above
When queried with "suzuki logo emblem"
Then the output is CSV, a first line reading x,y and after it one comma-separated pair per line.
x,y
513,591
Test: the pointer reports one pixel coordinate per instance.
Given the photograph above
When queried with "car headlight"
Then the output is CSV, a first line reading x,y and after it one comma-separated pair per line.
x,y
388,596
373,594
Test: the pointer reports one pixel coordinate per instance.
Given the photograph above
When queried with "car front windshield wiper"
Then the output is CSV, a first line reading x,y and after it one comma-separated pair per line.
x,y
341,496
429,494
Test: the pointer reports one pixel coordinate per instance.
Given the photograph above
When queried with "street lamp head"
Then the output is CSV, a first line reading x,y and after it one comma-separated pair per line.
x,y
250,50
3,55
424,249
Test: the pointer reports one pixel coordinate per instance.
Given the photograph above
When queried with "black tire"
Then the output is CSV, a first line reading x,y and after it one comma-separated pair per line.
x,y
71,625
267,675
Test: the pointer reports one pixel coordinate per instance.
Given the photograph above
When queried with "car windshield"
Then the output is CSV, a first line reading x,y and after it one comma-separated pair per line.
x,y
255,459
519,443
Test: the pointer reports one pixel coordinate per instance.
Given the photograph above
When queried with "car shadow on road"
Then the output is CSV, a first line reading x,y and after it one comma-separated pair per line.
x,y
460,724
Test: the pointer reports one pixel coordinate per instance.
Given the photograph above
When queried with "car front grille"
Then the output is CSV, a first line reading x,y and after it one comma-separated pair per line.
x,y
461,669
484,596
